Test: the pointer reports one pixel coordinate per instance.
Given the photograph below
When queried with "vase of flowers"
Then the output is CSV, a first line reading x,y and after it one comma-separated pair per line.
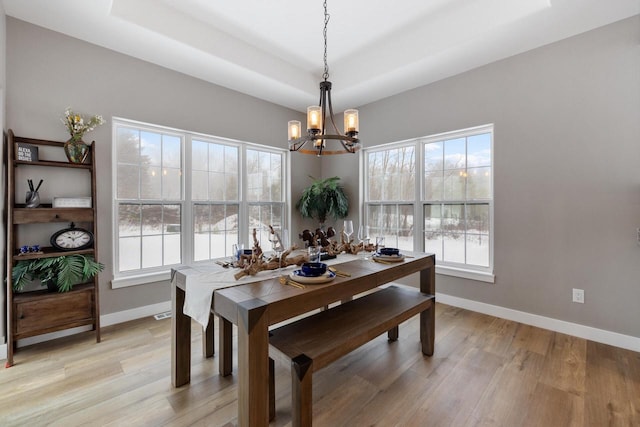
x,y
75,148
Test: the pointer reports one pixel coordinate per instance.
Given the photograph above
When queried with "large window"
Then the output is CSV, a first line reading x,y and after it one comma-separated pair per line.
x,y
149,198
183,198
435,194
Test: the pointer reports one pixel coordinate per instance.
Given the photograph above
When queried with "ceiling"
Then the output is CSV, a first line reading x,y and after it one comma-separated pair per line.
x,y
273,50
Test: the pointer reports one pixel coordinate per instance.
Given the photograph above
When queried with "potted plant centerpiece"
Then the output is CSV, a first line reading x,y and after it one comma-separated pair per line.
x,y
61,272
322,199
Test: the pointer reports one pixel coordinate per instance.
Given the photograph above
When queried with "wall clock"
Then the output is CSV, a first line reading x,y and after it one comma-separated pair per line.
x,y
72,239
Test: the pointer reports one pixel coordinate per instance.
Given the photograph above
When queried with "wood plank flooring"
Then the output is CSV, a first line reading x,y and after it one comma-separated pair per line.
x,y
485,372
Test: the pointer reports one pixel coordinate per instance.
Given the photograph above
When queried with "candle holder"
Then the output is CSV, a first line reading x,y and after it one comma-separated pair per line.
x,y
32,199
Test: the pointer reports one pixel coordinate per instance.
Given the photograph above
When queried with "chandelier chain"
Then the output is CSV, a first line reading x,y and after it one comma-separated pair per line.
x,y
320,117
325,75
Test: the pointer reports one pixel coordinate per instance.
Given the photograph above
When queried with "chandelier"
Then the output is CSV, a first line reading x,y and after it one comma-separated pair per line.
x,y
316,139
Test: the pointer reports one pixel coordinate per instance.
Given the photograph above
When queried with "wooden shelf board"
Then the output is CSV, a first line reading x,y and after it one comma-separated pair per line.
x,y
48,214
50,252
45,294
54,164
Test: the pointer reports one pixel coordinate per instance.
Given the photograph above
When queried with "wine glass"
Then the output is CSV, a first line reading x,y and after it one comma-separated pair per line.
x,y
277,245
348,229
284,242
237,251
363,237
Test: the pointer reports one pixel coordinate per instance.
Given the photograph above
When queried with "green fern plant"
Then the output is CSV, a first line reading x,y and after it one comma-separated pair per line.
x,y
65,271
324,198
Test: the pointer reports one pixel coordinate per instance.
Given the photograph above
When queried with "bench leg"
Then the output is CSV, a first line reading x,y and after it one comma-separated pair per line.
x,y
428,317
208,338
301,391
272,390
225,331
428,330
393,333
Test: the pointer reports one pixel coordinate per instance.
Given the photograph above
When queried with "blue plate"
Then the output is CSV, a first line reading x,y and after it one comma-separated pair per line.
x,y
299,276
303,274
392,258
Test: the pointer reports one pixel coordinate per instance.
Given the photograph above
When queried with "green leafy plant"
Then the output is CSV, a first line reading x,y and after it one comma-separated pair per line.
x,y
65,271
324,198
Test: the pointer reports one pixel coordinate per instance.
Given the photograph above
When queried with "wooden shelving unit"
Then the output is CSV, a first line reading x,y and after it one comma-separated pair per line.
x,y
40,312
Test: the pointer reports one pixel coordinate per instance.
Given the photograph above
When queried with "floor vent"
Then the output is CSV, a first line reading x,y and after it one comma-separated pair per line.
x,y
160,316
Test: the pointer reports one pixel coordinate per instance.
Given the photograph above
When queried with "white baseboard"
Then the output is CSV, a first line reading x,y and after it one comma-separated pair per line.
x,y
587,332
134,313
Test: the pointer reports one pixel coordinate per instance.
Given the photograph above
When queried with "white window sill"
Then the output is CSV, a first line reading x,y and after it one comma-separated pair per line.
x,y
466,274
140,279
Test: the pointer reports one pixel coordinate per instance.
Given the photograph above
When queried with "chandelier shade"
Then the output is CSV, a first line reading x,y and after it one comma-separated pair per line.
x,y
318,140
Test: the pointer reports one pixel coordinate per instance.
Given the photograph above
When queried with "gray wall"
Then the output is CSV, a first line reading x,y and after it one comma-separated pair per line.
x,y
48,71
567,171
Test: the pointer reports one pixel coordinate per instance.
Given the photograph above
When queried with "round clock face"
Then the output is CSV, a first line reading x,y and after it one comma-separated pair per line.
x,y
71,239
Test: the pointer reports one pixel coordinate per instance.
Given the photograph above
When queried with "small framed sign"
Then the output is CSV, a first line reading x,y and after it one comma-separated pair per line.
x,y
71,202
26,152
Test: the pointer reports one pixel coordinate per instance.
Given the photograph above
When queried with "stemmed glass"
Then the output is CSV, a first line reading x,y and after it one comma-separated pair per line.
x,y
363,237
278,243
348,229
284,242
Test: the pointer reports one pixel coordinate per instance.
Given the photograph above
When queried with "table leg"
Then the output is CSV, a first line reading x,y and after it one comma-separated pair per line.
x,y
253,364
180,339
225,361
208,339
272,390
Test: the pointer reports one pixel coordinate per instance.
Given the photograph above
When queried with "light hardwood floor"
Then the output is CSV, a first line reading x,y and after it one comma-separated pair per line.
x,y
485,371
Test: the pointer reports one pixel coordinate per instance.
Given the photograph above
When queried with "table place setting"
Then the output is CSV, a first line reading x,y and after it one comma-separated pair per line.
x,y
313,273
388,255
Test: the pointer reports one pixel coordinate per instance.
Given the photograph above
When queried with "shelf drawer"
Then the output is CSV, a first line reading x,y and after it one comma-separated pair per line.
x,y
49,312
41,215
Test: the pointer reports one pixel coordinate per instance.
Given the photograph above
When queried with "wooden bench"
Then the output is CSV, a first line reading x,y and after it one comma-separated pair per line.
x,y
316,341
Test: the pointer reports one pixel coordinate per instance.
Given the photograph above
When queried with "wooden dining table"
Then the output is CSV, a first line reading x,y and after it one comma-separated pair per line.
x,y
254,307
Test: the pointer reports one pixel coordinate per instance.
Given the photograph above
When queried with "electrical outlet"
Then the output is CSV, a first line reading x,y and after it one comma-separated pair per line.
x,y
638,231
578,295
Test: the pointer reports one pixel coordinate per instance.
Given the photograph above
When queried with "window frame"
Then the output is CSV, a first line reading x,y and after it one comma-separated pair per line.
x,y
187,203
468,271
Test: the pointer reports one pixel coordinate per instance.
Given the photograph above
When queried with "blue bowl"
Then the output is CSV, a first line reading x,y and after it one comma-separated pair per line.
x,y
314,269
247,252
389,251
